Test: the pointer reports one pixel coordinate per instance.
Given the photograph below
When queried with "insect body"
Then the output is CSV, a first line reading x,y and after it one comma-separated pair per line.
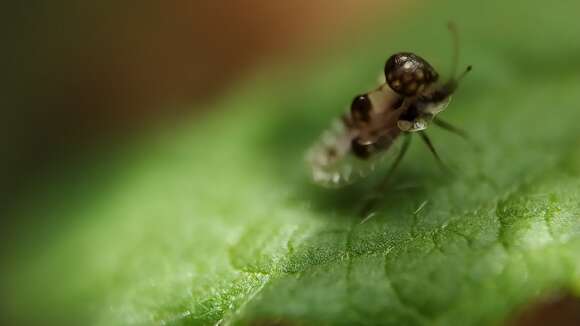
x,y
407,102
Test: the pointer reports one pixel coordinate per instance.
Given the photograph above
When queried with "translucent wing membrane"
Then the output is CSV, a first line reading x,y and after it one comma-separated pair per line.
x,y
336,159
333,162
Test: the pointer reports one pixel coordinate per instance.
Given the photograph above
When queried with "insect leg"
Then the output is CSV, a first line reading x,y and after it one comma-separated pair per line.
x,y
457,131
406,142
451,128
366,211
429,144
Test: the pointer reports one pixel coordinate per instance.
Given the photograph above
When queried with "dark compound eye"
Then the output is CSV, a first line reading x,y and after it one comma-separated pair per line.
x,y
407,73
361,108
361,150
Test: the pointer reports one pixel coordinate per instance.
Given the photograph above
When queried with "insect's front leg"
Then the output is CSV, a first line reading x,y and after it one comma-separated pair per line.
x,y
433,151
451,128
456,131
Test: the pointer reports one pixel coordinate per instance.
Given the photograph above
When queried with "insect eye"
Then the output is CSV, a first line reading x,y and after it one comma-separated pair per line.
x,y
407,74
361,108
361,150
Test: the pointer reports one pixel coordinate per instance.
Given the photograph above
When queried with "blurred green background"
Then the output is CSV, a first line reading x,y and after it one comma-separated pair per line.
x,y
152,166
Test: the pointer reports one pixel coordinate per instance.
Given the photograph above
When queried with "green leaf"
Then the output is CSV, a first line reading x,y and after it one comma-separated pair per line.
x,y
216,221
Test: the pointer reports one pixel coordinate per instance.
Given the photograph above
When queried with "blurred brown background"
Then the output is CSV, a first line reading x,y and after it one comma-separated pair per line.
x,y
82,73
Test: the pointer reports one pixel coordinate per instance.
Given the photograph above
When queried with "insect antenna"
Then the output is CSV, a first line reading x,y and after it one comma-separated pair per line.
x,y
467,69
455,44
451,85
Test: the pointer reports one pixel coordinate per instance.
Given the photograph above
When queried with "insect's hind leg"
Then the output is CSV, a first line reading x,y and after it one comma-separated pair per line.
x,y
381,187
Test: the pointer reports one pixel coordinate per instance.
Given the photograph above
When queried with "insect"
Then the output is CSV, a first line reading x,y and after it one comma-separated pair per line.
x,y
406,103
